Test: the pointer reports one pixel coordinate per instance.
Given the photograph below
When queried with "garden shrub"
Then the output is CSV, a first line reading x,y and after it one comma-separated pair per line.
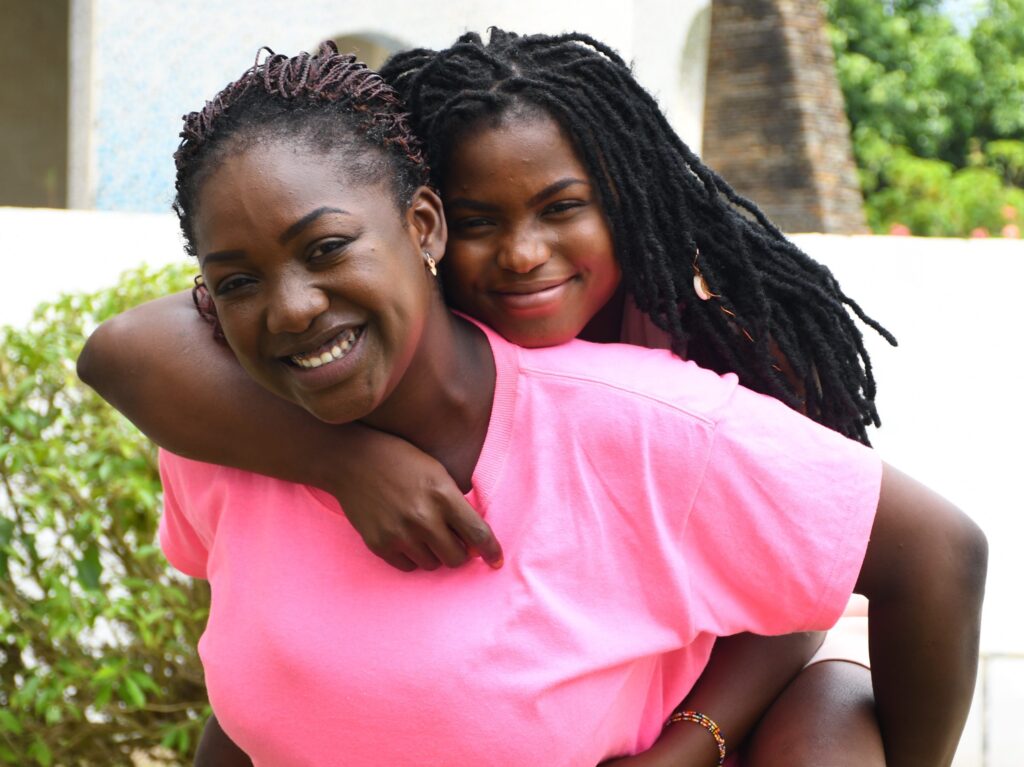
x,y
98,663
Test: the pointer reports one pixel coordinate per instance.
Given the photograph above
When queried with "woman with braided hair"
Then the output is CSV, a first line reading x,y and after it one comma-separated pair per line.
x,y
142,345
778,319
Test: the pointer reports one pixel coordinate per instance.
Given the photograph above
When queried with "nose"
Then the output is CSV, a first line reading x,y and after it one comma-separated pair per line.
x,y
523,251
294,303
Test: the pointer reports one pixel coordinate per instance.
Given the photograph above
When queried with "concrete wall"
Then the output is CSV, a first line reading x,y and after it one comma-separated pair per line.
x,y
33,102
952,415
949,396
139,66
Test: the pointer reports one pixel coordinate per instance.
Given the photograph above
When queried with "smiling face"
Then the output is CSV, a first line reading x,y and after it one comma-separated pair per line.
x,y
319,284
529,250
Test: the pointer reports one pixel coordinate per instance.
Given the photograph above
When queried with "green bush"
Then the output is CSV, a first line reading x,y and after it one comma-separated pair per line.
x,y
934,199
937,113
97,637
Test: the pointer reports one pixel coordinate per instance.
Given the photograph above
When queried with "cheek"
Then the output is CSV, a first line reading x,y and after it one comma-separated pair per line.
x,y
461,271
241,332
596,247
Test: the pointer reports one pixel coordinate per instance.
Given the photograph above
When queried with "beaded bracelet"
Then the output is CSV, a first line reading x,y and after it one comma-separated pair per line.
x,y
707,723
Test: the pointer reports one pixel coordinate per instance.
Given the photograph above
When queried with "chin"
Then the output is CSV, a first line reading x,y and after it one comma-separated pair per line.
x,y
336,415
539,339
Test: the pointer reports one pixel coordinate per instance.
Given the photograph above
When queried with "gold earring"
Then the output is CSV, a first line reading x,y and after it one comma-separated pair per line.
x,y
700,287
431,263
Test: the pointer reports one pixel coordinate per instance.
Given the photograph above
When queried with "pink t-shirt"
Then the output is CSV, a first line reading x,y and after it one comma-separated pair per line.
x,y
645,506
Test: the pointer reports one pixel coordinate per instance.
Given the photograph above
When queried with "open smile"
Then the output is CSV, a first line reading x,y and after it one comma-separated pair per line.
x,y
335,349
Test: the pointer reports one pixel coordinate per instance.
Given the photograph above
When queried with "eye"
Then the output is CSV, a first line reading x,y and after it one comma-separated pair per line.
x,y
562,206
473,222
232,283
328,249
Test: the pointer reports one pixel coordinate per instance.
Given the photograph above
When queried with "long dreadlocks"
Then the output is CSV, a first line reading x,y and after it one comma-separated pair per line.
x,y
671,217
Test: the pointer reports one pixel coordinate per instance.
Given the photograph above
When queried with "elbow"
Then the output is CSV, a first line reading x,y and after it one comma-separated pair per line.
x,y
923,550
88,363
98,360
969,550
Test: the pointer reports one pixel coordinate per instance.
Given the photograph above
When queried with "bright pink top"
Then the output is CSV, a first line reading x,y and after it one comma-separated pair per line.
x,y
644,505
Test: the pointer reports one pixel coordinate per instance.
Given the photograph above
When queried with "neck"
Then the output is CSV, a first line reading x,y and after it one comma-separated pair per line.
x,y
443,403
605,327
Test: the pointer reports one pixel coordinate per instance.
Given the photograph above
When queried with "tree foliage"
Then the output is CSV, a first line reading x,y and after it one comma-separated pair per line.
x,y
98,663
937,115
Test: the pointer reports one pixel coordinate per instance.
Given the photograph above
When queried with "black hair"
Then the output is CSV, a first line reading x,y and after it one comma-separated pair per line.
x,y
329,100
771,304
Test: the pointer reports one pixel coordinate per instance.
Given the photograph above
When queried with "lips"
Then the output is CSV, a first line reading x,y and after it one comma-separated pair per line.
x,y
324,353
533,296
531,286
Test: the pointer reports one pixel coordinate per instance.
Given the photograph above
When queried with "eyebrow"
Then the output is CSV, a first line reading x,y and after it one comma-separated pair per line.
x,y
555,188
305,221
289,233
544,193
221,255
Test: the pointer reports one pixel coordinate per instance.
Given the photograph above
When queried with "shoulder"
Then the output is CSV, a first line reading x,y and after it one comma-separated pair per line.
x,y
622,372
196,487
183,473
633,384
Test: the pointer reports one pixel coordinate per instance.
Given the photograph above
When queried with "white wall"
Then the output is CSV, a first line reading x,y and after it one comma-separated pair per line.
x,y
953,416
950,395
44,253
137,67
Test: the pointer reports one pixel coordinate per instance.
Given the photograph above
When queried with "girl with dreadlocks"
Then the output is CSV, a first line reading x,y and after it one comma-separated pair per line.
x,y
745,299
524,134
704,264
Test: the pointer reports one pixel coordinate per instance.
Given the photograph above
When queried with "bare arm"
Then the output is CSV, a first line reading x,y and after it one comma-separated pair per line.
x,y
924,575
744,675
216,749
160,366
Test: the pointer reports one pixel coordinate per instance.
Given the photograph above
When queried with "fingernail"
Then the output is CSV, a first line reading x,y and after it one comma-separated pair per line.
x,y
497,563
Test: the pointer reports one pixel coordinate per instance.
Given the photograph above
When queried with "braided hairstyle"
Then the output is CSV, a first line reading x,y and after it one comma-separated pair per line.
x,y
673,220
328,100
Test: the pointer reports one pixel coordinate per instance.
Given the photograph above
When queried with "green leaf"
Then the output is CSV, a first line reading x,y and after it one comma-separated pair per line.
x,y
8,722
144,681
89,568
39,751
132,694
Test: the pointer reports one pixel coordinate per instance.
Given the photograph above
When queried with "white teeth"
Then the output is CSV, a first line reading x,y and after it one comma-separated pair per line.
x,y
323,356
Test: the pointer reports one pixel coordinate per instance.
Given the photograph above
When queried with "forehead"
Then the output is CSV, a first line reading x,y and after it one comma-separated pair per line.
x,y
274,181
526,143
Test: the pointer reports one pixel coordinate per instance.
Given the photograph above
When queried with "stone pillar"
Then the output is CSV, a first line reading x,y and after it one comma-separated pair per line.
x,y
774,122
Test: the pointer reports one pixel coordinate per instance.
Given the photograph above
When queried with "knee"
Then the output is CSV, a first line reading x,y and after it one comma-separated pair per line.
x,y
824,718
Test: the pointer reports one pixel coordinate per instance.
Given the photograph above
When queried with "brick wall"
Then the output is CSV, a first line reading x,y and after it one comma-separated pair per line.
x,y
774,122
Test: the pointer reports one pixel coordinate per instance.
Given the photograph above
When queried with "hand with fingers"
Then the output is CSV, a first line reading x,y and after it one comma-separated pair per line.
x,y
411,513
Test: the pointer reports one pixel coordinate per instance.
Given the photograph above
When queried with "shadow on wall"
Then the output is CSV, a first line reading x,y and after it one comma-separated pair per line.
x,y
370,48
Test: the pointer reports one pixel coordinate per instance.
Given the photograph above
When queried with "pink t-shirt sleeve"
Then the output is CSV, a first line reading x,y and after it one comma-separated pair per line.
x,y
785,508
181,543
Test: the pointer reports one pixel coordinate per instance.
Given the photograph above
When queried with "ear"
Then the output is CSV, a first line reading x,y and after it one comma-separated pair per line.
x,y
425,219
